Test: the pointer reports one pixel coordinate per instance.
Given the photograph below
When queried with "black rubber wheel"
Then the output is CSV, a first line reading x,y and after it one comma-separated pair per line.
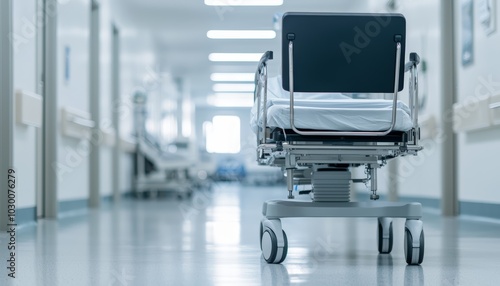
x,y
260,235
409,248
285,248
380,239
274,246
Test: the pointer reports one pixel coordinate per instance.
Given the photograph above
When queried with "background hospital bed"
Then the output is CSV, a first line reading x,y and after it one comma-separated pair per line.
x,y
159,169
314,59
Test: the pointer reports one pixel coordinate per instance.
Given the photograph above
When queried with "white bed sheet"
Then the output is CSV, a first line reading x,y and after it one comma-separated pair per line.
x,y
330,112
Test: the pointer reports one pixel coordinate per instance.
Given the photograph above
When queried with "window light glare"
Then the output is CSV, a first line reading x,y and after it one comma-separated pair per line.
x,y
243,2
232,87
241,34
232,77
232,103
234,57
230,95
231,99
218,139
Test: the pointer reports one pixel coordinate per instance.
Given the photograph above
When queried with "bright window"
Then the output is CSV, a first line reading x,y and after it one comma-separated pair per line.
x,y
169,128
223,135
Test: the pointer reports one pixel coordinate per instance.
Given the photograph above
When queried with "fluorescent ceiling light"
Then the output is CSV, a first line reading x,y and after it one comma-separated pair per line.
x,y
232,77
233,87
244,2
230,95
231,99
235,57
241,34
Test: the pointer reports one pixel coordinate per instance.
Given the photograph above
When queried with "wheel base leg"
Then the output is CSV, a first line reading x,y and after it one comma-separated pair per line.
x,y
385,235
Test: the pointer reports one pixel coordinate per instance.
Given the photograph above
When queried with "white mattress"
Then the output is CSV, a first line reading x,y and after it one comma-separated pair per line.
x,y
337,114
331,111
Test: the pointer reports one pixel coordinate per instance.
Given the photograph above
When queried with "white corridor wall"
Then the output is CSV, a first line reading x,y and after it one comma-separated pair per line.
x,y
478,151
73,92
24,46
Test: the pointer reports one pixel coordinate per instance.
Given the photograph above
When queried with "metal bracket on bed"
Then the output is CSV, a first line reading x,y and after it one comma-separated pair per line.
x,y
344,133
412,67
287,209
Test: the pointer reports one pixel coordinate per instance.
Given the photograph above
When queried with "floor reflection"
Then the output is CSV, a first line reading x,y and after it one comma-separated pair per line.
x,y
273,274
46,252
152,242
414,275
450,250
384,269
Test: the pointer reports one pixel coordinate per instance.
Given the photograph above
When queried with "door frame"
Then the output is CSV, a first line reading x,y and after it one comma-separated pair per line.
x,y
39,89
449,189
115,93
6,106
94,104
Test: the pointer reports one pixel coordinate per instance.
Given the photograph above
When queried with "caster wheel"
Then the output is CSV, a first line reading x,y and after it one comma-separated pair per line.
x,y
285,248
261,233
385,235
414,242
269,246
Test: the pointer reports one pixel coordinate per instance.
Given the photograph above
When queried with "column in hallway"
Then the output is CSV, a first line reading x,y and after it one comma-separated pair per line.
x,y
94,100
6,104
449,198
50,94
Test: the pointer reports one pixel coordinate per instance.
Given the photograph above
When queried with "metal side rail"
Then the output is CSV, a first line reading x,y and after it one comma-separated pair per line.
x,y
365,150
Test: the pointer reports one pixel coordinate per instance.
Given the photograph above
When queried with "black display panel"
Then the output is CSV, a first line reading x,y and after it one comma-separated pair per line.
x,y
338,52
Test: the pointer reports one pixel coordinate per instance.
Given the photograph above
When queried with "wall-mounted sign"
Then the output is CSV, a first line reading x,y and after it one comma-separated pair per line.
x,y
486,14
467,32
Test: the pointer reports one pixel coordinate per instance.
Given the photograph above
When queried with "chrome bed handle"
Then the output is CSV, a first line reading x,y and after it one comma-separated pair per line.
x,y
83,122
262,71
495,105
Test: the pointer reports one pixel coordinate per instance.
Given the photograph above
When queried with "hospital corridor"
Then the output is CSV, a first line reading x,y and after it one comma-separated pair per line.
x,y
249,142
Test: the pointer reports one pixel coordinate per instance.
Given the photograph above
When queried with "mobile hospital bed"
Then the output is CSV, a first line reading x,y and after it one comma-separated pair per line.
x,y
316,137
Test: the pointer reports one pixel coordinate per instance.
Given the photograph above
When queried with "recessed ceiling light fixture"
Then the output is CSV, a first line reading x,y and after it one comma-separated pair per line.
x,y
233,87
244,2
241,34
232,77
235,57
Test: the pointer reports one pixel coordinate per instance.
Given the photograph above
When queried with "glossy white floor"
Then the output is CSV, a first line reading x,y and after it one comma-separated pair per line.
x,y
213,240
